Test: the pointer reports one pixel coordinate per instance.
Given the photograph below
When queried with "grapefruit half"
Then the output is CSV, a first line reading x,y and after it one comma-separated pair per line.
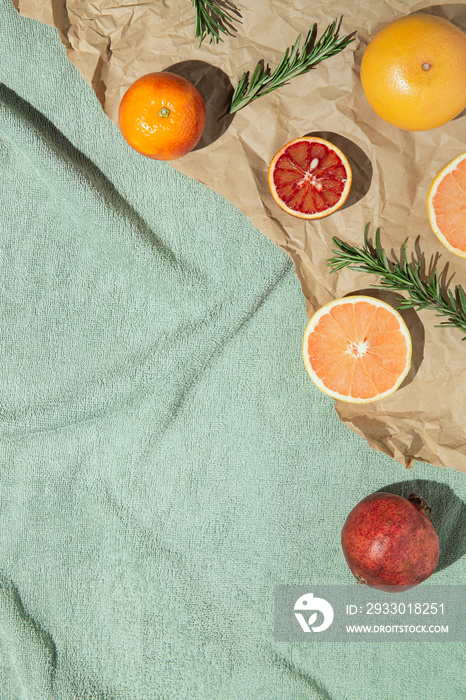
x,y
446,205
357,349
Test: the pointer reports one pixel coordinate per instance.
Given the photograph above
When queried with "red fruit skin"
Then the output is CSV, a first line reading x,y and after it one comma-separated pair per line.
x,y
390,543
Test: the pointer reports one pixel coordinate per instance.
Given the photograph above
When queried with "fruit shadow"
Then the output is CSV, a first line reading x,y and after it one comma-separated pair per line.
x,y
413,322
361,166
454,12
448,515
224,13
216,89
427,268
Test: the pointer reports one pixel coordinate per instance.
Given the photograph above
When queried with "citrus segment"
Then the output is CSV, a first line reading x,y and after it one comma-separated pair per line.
x,y
357,349
413,72
309,177
446,205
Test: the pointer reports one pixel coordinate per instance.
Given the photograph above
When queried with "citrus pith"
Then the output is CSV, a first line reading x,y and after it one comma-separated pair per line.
x,y
309,177
357,349
446,205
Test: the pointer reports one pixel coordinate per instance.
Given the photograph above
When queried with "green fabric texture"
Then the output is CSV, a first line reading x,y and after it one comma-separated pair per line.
x,y
165,460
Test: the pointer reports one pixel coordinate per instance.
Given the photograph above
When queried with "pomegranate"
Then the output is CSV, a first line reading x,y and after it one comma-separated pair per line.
x,y
389,541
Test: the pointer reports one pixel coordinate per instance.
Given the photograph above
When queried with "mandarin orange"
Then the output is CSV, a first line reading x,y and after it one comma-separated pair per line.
x,y
162,115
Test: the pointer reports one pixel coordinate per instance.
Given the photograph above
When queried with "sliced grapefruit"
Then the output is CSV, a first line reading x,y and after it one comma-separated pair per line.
x,y
310,177
357,349
446,205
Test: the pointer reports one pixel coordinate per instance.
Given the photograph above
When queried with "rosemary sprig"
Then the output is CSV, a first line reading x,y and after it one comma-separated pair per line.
x,y
424,291
213,17
293,63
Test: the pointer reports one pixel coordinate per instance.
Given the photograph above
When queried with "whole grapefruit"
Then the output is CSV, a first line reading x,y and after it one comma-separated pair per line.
x,y
162,115
413,72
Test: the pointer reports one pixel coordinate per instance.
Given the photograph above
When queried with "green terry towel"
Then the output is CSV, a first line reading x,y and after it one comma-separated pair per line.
x,y
165,460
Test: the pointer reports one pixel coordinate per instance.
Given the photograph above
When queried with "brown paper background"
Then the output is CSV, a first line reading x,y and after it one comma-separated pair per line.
x,y
113,43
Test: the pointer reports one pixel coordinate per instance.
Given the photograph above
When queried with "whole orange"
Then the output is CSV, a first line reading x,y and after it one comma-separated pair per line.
x,y
162,115
413,72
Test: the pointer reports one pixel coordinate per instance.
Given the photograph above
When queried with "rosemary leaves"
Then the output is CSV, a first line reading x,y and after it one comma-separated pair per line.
x,y
294,62
424,292
213,17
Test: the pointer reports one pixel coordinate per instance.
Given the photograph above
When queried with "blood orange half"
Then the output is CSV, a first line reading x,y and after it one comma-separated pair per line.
x,y
446,205
357,349
309,177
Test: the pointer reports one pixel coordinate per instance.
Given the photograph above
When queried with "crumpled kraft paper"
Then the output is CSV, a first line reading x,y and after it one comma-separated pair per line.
x,y
113,43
